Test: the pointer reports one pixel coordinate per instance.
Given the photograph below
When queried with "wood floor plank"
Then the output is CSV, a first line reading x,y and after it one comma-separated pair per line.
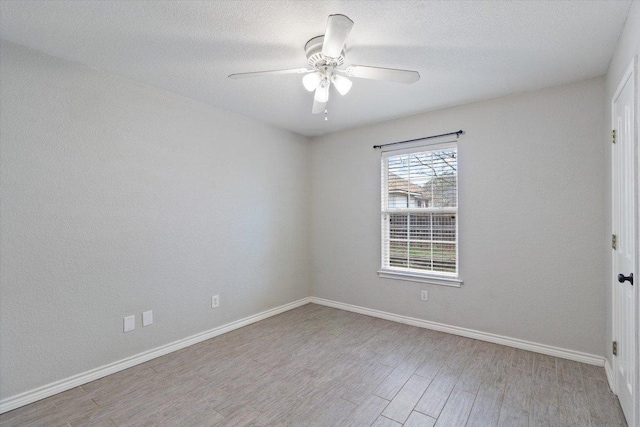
x,y
606,423
498,368
513,417
152,387
431,365
98,423
456,412
82,411
385,422
289,409
403,403
398,354
448,343
569,371
486,408
573,405
543,414
519,388
436,395
543,361
396,379
242,416
523,360
471,376
46,413
181,411
592,371
358,392
485,351
603,404
416,419
544,384
68,399
460,357
25,414
329,411
98,418
367,412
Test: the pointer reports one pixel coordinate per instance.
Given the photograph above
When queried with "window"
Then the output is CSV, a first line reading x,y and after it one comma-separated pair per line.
x,y
420,214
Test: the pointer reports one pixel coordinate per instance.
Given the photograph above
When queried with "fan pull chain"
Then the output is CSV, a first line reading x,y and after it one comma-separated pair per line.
x,y
326,118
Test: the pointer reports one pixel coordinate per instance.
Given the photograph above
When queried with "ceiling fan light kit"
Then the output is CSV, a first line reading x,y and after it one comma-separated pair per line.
x,y
322,92
312,81
325,54
342,84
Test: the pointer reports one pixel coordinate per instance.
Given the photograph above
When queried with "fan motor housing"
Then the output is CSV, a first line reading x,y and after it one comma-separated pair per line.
x,y
313,50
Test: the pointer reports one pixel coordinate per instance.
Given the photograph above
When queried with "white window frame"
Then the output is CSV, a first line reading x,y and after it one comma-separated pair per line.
x,y
403,273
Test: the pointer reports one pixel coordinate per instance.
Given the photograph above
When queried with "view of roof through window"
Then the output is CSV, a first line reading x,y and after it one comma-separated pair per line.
x,y
422,180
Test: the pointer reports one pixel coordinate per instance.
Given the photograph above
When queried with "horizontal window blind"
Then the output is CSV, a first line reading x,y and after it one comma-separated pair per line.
x,y
420,211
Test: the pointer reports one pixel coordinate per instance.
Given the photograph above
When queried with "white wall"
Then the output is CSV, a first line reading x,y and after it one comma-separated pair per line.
x,y
164,201
532,185
628,46
119,198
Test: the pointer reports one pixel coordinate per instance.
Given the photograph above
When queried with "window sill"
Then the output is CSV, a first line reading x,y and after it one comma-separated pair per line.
x,y
423,278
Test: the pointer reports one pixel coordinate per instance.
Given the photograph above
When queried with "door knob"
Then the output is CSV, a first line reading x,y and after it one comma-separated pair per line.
x,y
622,278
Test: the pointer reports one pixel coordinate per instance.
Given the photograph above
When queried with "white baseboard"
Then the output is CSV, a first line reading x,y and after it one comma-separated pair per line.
x,y
42,392
469,333
36,394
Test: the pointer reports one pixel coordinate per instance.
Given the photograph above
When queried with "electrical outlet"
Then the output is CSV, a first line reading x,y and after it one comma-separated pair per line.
x,y
423,295
147,318
129,323
215,301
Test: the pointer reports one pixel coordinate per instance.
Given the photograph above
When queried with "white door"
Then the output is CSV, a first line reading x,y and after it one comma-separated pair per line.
x,y
624,220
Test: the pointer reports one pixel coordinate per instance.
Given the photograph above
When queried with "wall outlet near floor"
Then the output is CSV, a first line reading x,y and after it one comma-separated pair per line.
x,y
215,301
147,318
129,323
423,295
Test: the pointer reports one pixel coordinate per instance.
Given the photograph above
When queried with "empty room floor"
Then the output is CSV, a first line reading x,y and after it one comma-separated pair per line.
x,y
319,366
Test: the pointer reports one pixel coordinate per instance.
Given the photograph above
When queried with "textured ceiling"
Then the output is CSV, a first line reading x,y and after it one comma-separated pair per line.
x,y
465,51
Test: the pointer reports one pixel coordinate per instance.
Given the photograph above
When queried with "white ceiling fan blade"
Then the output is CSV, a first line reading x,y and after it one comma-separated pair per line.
x,y
318,107
377,73
266,73
335,36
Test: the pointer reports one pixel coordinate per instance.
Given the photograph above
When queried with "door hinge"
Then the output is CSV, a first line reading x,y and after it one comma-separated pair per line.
x,y
614,241
615,348
613,136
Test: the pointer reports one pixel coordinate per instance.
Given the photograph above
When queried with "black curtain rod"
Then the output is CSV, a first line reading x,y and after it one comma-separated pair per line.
x,y
457,134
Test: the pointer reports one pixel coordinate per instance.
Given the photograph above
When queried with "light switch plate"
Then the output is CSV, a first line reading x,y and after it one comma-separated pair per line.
x,y
147,318
129,323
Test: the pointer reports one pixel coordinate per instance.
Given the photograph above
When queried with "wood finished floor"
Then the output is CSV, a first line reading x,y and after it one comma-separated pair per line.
x,y
318,366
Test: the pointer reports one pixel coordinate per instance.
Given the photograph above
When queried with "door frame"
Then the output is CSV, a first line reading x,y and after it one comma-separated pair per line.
x,y
630,73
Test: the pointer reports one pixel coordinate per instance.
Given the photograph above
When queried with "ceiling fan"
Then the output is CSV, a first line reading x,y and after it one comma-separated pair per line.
x,y
325,54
